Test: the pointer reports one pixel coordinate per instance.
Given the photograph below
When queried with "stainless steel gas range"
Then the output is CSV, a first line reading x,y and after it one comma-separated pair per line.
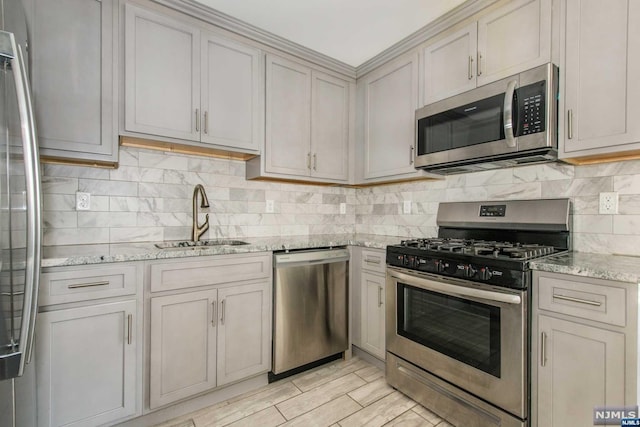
x,y
458,305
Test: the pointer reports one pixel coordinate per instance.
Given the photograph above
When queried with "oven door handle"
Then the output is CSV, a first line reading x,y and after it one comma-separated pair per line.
x,y
456,290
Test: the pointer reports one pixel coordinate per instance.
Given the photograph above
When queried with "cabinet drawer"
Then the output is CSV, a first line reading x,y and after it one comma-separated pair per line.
x,y
590,301
373,260
71,284
178,274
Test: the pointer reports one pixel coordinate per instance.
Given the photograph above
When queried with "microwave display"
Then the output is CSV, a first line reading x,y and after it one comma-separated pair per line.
x,y
482,121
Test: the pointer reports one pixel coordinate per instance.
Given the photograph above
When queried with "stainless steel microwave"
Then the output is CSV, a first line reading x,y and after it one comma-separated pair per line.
x,y
507,123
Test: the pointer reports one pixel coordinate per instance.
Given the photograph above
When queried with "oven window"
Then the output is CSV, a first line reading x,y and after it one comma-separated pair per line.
x,y
465,330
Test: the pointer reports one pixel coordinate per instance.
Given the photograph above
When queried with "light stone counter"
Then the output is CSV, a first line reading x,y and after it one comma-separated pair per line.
x,y
56,256
598,266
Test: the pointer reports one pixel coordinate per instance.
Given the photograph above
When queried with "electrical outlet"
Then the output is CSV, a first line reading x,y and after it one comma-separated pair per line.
x,y
406,207
343,208
269,206
83,201
608,203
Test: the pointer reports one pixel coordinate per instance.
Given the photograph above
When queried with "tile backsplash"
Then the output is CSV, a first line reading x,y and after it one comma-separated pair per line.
x,y
148,198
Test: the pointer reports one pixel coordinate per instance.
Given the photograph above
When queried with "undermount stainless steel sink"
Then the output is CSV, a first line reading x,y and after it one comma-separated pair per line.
x,y
187,244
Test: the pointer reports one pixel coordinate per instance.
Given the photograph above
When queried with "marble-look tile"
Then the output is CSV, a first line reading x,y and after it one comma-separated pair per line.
x,y
629,204
75,236
60,219
371,392
236,409
380,412
135,234
160,160
626,224
608,169
75,171
326,414
169,191
269,417
543,172
59,185
58,202
108,188
246,194
530,190
576,187
490,177
324,393
106,219
627,184
593,223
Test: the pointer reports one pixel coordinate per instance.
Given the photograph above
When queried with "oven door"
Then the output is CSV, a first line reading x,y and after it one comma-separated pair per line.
x,y
469,334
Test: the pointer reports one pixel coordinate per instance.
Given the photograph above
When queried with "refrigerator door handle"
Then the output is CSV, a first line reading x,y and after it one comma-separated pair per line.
x,y
34,196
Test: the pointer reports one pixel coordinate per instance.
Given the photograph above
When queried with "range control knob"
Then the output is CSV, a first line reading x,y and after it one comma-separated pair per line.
x,y
485,273
469,271
441,266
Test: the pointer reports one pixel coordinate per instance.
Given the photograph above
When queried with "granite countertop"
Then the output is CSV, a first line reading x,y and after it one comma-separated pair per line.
x,y
598,266
56,256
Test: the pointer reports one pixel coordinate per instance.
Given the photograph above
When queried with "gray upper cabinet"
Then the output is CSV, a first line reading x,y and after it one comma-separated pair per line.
x,y
601,52
74,58
389,97
307,125
185,83
162,75
505,41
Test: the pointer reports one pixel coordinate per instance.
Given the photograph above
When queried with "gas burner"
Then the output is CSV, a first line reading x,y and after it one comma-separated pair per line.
x,y
480,248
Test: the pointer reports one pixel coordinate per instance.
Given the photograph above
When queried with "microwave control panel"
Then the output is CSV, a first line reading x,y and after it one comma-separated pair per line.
x,y
531,108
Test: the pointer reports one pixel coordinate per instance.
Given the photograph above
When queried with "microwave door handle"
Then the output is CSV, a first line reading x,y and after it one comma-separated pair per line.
x,y
510,139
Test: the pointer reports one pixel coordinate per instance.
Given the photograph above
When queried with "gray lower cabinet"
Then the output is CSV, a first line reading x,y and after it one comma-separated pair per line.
x,y
88,352
87,364
369,300
73,54
584,345
216,334
188,84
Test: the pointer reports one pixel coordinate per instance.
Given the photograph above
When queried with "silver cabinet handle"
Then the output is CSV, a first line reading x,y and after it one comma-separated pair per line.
x,y
479,64
570,124
129,329
206,122
507,114
315,161
470,67
578,300
214,313
222,312
373,260
197,120
543,349
379,296
411,148
308,160
87,285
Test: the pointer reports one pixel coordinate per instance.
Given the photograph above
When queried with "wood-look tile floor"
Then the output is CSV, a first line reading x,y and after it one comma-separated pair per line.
x,y
344,393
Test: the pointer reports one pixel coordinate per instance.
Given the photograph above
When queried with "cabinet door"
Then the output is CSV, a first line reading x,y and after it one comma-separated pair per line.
x,y
162,75
329,127
183,346
514,38
391,99
449,65
244,331
372,314
288,119
86,365
232,100
580,367
74,91
602,64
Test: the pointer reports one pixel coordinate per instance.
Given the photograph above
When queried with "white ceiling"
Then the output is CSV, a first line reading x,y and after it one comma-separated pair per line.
x,y
351,31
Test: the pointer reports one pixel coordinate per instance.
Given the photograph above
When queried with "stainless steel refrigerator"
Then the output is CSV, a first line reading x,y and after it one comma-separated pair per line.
x,y
20,223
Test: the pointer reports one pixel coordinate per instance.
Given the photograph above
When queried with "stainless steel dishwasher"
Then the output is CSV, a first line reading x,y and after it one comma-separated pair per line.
x,y
310,320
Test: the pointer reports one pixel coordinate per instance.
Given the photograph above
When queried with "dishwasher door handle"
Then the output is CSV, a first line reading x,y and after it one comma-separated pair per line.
x,y
294,259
